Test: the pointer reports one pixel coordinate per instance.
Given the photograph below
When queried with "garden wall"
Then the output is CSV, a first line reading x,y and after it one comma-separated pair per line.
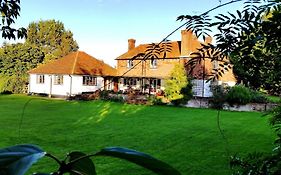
x,y
204,103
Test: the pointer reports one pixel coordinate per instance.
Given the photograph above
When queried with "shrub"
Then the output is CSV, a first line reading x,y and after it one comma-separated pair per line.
x,y
178,89
258,97
5,92
239,95
104,95
154,100
14,84
219,96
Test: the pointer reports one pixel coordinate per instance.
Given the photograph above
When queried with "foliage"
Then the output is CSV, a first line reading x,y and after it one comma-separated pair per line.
x,y
235,95
110,96
15,84
244,39
16,160
219,96
258,97
154,100
45,40
177,87
274,99
10,10
52,38
239,95
15,61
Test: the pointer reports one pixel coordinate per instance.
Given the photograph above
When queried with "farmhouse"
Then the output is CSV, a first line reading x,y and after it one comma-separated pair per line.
x,y
149,74
79,72
73,74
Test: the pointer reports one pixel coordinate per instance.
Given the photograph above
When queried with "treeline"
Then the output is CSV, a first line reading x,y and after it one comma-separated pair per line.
x,y
46,40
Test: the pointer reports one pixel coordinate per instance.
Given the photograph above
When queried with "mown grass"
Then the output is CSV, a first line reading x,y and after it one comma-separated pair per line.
x,y
186,138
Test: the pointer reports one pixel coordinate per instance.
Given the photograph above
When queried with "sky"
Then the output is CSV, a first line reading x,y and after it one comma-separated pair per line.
x,y
102,27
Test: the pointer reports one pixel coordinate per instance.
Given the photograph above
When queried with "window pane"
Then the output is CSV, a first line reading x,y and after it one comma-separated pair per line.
x,y
89,81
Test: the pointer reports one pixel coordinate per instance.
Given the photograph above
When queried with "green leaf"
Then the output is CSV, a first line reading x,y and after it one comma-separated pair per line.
x,y
83,166
139,158
16,160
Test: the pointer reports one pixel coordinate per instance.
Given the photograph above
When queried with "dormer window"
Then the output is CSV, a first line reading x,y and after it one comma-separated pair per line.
x,y
130,64
153,63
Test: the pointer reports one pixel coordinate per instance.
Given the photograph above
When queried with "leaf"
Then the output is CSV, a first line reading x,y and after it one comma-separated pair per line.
x,y
139,158
16,160
83,166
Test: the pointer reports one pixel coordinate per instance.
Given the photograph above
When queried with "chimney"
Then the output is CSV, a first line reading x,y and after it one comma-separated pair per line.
x,y
187,39
131,44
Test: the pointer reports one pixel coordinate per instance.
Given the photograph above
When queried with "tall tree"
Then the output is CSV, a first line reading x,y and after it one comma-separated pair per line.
x,y
52,38
15,61
263,61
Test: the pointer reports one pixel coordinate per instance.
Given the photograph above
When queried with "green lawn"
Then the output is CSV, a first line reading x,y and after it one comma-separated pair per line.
x,y
186,138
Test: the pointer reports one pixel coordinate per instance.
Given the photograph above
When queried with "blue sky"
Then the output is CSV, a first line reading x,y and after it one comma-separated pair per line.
x,y
102,27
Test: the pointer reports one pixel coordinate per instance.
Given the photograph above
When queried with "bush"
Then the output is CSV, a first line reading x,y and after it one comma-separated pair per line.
x,y
219,96
14,84
154,100
104,95
239,95
258,97
178,88
5,92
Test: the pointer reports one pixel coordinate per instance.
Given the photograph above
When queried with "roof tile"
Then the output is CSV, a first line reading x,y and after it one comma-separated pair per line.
x,y
76,63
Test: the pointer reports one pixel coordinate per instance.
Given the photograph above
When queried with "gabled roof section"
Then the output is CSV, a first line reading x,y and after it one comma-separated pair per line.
x,y
141,49
76,63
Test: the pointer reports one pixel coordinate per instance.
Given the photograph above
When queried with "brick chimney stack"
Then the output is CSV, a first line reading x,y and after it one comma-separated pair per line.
x,y
131,44
187,39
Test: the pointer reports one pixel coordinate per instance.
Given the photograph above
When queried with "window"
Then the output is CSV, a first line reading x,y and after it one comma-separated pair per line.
x,y
130,81
130,64
155,83
215,64
153,63
40,79
58,79
89,80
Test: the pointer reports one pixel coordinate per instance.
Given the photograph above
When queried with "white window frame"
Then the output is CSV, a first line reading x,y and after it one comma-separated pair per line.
x,y
153,63
40,79
130,63
58,79
89,80
215,64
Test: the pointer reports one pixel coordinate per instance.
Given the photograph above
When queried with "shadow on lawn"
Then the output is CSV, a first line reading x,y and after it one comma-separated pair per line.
x,y
101,110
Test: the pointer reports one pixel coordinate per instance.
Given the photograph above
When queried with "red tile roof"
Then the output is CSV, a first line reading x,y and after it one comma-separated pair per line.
x,y
76,63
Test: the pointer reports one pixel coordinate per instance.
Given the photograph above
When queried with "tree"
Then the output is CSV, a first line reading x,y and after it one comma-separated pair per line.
x,y
10,10
52,38
15,61
244,39
177,87
263,61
